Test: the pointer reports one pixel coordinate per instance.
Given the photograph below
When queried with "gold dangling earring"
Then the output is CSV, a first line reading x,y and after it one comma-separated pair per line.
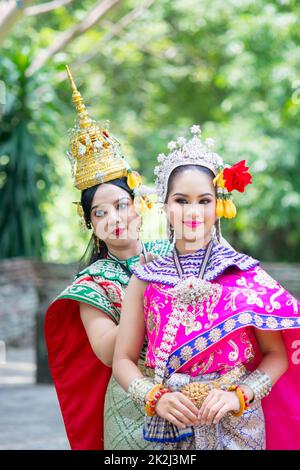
x,y
140,230
171,234
97,244
174,236
213,233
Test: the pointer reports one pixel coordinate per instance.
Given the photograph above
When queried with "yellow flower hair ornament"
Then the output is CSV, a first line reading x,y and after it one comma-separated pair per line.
x,y
142,202
134,179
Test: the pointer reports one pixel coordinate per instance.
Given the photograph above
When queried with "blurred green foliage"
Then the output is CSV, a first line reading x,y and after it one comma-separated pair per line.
x,y
233,67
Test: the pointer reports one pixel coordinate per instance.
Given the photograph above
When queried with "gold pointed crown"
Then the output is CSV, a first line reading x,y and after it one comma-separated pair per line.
x,y
95,155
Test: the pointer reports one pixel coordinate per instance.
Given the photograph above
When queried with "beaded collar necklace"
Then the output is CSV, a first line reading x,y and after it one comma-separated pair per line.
x,y
189,296
202,265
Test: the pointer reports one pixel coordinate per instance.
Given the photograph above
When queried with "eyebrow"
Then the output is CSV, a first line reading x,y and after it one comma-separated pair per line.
x,y
186,195
117,200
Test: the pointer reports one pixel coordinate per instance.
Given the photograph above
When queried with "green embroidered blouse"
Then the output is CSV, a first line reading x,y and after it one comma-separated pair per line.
x,y
102,284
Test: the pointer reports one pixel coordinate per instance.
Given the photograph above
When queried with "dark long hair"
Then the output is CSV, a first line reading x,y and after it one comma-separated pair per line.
x,y
96,249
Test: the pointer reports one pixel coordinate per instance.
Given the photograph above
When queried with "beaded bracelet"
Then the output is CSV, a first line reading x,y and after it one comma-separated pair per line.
x,y
243,399
154,395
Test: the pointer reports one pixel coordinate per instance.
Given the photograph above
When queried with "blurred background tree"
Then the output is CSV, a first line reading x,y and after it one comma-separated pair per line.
x,y
152,68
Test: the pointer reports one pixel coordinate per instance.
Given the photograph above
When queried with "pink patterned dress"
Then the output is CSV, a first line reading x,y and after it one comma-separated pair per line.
x,y
218,336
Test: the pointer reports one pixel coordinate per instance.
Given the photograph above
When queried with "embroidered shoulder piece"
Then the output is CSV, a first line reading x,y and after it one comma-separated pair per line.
x,y
111,270
108,269
162,270
84,289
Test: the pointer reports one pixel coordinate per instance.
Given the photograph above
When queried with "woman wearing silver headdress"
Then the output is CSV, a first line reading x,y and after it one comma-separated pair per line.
x,y
214,321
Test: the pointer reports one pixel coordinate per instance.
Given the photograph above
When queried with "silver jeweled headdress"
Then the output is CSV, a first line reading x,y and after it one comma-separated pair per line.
x,y
182,152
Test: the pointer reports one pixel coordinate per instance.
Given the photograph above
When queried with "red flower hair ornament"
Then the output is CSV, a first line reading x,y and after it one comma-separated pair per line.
x,y
229,179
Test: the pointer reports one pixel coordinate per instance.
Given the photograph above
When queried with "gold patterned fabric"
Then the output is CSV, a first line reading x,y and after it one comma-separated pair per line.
x,y
246,432
231,433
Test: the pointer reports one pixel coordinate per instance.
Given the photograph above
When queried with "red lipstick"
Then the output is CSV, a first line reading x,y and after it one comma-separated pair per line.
x,y
192,223
118,231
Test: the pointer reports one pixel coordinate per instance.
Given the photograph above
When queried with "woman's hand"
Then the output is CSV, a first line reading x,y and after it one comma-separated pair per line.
x,y
178,409
149,257
216,405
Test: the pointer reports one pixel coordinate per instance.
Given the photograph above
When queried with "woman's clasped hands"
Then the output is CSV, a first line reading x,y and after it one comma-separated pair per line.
x,y
181,411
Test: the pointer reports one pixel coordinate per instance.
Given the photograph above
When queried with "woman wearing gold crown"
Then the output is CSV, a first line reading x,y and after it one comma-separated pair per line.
x,y
222,334
81,325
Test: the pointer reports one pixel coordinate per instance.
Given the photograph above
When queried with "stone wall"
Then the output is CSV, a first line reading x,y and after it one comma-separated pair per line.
x,y
26,288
